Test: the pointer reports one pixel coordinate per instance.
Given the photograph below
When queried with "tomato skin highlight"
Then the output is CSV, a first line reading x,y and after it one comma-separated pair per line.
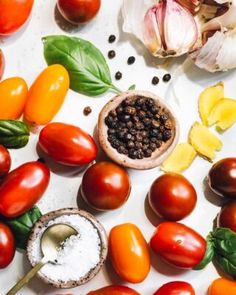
x,y
13,95
46,95
114,290
22,188
131,258
222,286
14,14
78,11
110,187
67,144
2,64
178,244
175,288
172,196
5,161
7,245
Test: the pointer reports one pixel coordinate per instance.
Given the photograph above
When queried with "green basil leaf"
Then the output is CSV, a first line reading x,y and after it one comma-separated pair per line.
x,y
86,65
209,254
227,265
225,240
13,134
22,225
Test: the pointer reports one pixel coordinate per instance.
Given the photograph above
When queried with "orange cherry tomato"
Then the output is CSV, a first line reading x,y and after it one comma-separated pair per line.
x,y
13,95
129,253
114,290
14,13
2,64
46,95
222,287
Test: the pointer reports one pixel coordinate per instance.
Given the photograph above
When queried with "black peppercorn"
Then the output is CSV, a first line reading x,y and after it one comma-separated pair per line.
x,y
112,38
164,118
118,75
155,80
131,60
167,135
111,54
130,144
125,118
119,110
166,78
130,110
87,111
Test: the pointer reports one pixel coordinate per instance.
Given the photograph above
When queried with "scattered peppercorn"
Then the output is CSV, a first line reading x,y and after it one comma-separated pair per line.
x,y
155,80
138,127
87,111
131,60
166,78
112,38
111,54
118,75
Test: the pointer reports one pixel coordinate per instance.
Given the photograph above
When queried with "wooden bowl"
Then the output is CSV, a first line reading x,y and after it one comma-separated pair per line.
x,y
159,155
43,221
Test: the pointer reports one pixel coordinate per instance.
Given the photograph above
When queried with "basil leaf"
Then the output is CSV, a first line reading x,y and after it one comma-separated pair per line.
x,y
87,67
227,265
22,225
209,254
13,134
225,240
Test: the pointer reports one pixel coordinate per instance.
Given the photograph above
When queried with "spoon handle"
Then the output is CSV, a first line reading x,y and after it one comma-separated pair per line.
x,y
28,277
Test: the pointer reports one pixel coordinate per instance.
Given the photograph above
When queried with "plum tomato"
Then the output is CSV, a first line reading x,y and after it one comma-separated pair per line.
x,y
2,64
14,13
227,216
129,253
114,290
172,196
222,177
7,245
67,144
5,161
22,188
78,11
175,288
105,186
178,244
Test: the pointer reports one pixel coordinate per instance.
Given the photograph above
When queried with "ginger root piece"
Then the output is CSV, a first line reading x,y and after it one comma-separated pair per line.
x,y
204,141
207,100
223,114
180,159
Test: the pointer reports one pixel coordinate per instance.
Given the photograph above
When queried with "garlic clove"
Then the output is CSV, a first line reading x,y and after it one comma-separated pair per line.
x,y
180,29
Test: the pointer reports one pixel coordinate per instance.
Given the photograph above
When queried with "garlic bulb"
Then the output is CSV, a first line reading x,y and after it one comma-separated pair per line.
x,y
166,28
218,51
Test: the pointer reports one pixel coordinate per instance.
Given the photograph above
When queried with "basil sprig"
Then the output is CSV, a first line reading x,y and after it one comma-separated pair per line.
x,y
13,134
221,249
22,225
86,65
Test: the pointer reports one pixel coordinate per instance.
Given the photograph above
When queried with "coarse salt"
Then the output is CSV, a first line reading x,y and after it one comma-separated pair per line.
x,y
79,254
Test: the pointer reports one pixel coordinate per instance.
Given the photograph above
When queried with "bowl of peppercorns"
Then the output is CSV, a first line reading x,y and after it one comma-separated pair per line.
x,y
138,130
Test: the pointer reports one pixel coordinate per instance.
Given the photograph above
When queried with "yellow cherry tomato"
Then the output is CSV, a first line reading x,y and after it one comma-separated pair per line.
x,y
13,95
222,286
129,253
46,95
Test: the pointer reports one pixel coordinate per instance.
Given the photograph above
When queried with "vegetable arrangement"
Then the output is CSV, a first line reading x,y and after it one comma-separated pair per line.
x,y
77,64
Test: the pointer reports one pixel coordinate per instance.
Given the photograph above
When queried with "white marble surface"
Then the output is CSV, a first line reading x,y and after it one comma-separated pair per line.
x,y
24,55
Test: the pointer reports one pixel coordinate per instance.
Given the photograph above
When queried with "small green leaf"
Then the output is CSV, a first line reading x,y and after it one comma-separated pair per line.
x,y
209,255
13,134
225,240
86,65
228,266
132,87
22,225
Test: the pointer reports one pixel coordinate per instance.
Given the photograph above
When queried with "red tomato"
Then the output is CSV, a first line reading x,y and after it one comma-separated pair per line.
x,y
105,186
7,245
2,64
227,216
78,11
175,288
5,161
178,244
14,13
114,290
67,144
172,196
22,188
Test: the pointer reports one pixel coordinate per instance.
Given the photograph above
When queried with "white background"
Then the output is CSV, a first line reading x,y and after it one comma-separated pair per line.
x,y
24,56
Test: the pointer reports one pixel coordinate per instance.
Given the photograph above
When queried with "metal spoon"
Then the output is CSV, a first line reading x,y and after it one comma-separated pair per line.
x,y
51,241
